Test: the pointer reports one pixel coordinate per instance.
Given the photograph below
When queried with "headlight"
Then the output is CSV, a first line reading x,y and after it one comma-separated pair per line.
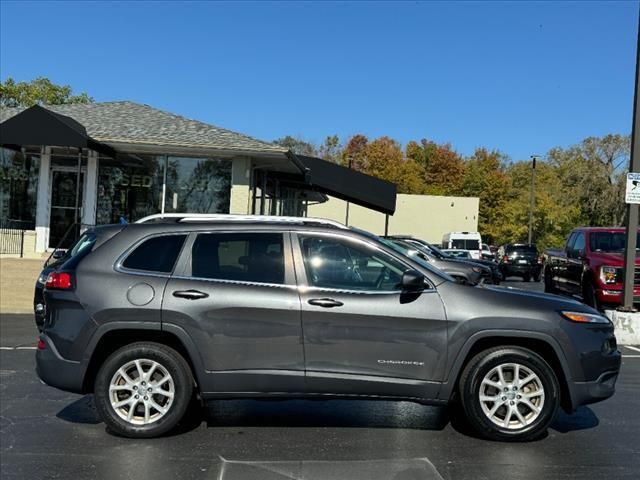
x,y
580,317
609,275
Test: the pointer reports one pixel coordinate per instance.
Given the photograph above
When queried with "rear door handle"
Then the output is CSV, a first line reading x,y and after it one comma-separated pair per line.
x,y
325,302
190,294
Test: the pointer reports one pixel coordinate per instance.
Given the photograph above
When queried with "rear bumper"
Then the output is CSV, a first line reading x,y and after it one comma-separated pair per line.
x,y
58,372
515,269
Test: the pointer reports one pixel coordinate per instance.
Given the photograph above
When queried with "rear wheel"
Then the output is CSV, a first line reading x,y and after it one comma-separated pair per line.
x,y
509,393
536,277
526,277
143,390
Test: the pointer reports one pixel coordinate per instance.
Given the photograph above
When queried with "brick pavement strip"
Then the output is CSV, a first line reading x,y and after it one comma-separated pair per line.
x,y
17,280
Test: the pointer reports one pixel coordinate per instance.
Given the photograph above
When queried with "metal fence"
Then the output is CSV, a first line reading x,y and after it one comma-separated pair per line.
x,y
12,236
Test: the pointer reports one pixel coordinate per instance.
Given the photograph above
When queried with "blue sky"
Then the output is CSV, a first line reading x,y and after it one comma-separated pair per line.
x,y
519,77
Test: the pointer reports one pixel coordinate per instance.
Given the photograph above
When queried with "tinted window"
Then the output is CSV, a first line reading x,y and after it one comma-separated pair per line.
x,y
579,243
157,254
334,263
522,249
609,241
247,257
465,244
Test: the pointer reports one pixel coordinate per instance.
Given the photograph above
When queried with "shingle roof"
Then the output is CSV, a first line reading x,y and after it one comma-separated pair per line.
x,y
134,123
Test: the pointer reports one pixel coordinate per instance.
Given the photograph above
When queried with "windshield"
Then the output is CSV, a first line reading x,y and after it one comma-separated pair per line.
x,y
465,244
522,248
81,247
609,241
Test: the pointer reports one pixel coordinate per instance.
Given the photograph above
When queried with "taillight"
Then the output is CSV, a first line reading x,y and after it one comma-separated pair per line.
x,y
58,281
505,259
41,345
539,259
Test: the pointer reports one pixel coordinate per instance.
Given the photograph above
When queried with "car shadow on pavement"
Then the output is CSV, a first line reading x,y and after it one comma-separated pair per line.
x,y
325,413
82,410
582,419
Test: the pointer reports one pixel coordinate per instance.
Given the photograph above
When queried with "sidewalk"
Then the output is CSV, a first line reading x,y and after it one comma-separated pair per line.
x,y
17,281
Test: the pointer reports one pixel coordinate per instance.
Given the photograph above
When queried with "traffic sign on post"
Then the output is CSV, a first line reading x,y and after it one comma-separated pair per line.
x,y
633,188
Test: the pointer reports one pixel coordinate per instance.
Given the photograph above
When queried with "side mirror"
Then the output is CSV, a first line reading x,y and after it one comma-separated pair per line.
x,y
58,253
412,281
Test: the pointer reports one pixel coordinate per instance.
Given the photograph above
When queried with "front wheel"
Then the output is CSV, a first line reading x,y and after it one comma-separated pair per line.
x,y
589,295
143,390
509,394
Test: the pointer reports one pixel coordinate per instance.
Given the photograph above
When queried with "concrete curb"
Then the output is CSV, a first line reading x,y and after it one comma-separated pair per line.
x,y
627,326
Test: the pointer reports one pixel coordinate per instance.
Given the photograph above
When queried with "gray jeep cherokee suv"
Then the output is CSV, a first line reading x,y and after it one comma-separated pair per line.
x,y
149,316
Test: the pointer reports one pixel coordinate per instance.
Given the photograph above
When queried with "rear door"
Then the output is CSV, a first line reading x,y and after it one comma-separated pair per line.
x,y
236,297
362,334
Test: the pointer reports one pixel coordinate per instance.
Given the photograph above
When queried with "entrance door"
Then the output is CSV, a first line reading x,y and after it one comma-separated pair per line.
x,y
63,206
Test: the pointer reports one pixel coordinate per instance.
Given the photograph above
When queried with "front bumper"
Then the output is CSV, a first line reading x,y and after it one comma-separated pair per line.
x,y
58,372
604,387
613,295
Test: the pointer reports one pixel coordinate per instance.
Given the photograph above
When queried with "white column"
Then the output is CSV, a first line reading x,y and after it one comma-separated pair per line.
x,y
240,189
91,190
42,203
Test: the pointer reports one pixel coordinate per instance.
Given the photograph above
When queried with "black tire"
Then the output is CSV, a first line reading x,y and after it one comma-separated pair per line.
x,y
536,277
181,382
483,364
526,278
548,284
589,295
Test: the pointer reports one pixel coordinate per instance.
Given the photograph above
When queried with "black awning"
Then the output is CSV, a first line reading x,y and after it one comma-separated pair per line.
x,y
39,126
347,184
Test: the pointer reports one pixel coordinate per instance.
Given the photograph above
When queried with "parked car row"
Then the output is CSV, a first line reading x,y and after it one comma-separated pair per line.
x,y
153,316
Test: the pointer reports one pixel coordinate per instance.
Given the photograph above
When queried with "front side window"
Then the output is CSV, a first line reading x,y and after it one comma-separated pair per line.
x,y
156,254
245,257
335,263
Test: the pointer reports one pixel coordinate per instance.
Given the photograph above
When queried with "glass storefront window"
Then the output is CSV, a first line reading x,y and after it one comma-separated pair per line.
x,y
198,185
129,187
19,186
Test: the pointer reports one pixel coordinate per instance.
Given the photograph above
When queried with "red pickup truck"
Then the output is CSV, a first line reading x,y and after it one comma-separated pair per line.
x,y
591,266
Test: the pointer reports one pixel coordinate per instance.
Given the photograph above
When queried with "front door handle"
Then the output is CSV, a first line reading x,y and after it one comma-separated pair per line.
x,y
325,302
190,294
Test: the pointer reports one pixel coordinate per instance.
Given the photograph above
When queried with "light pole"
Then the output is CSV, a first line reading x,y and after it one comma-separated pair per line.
x,y
632,209
532,197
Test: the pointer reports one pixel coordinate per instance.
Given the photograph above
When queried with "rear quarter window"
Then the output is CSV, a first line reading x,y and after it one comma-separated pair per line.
x,y
156,254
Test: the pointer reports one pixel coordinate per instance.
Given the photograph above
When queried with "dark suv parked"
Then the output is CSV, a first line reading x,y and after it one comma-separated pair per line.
x,y
520,259
149,316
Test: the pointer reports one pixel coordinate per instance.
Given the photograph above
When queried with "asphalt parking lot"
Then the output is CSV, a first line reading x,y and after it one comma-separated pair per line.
x,y
46,434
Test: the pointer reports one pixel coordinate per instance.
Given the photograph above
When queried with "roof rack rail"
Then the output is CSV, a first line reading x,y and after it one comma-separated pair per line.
x,y
223,217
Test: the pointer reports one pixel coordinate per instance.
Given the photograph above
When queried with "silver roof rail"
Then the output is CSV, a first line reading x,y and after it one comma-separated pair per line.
x,y
223,217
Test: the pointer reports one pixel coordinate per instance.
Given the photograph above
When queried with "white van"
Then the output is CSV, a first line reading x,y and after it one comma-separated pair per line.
x,y
471,241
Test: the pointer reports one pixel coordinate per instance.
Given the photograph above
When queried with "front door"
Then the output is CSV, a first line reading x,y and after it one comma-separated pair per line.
x,y
238,301
64,184
361,332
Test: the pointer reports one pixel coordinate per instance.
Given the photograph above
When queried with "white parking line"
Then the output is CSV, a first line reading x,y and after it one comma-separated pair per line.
x,y
18,348
633,348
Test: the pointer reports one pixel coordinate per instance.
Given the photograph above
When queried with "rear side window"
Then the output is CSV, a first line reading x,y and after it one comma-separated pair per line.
x,y
157,254
465,244
246,257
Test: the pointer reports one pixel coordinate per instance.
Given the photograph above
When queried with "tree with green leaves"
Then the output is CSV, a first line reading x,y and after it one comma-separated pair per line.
x,y
38,91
